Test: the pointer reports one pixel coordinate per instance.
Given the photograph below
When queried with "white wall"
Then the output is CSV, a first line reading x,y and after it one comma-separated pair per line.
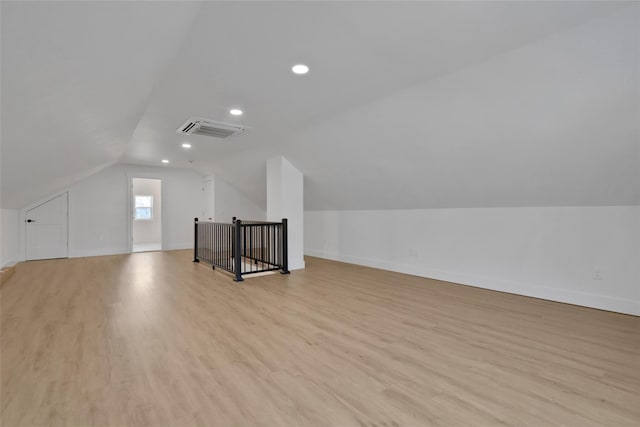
x,y
230,202
99,209
9,236
208,198
285,199
548,253
148,230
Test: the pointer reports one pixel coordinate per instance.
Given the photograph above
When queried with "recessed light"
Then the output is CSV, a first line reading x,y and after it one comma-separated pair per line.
x,y
165,161
186,145
300,69
235,112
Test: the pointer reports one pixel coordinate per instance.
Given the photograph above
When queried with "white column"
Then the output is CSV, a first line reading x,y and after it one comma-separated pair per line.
x,y
285,199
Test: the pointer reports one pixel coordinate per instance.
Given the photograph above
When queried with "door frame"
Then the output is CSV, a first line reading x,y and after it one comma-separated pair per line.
x,y
23,220
143,175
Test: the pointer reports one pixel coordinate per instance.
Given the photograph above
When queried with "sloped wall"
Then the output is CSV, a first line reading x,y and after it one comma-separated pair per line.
x,y
230,202
552,123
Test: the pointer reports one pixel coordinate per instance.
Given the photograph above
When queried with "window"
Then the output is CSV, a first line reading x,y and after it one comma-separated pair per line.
x,y
144,208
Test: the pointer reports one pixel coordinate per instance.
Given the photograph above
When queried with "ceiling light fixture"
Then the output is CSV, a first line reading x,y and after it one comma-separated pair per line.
x,y
235,112
300,69
165,161
186,145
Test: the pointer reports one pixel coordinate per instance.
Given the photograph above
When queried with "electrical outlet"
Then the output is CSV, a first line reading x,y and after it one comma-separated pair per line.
x,y
597,274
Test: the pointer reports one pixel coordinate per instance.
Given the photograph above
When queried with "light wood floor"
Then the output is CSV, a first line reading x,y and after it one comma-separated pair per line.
x,y
151,339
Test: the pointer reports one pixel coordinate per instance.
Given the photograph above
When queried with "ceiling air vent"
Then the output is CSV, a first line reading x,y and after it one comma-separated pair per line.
x,y
206,127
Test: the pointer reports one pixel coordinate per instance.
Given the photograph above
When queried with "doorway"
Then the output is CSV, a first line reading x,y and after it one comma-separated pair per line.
x,y
46,229
147,214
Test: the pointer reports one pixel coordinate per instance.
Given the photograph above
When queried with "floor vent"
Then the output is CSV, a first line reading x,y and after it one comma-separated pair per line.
x,y
206,127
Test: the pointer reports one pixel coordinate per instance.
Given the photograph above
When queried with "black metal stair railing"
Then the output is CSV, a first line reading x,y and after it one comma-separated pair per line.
x,y
242,247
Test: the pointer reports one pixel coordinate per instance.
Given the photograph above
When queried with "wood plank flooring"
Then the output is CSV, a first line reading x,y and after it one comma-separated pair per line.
x,y
152,339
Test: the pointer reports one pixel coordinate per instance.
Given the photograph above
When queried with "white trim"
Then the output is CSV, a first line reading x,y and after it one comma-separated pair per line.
x,y
296,264
100,252
586,299
126,251
178,246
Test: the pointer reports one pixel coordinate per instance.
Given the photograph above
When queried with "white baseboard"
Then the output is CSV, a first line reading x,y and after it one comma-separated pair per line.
x,y
98,252
177,246
118,251
9,264
296,264
602,302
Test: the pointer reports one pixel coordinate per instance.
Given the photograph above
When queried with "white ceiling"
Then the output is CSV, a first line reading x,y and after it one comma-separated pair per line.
x,y
76,78
407,105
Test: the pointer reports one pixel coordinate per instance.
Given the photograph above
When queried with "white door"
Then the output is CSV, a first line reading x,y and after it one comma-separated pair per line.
x,y
47,229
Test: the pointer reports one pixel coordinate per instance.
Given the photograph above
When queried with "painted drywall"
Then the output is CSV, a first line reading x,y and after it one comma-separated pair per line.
x,y
358,51
553,123
208,198
148,230
285,199
9,236
230,202
91,63
99,209
551,253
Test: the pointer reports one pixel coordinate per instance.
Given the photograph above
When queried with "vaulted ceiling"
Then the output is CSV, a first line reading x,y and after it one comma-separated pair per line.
x,y
407,105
